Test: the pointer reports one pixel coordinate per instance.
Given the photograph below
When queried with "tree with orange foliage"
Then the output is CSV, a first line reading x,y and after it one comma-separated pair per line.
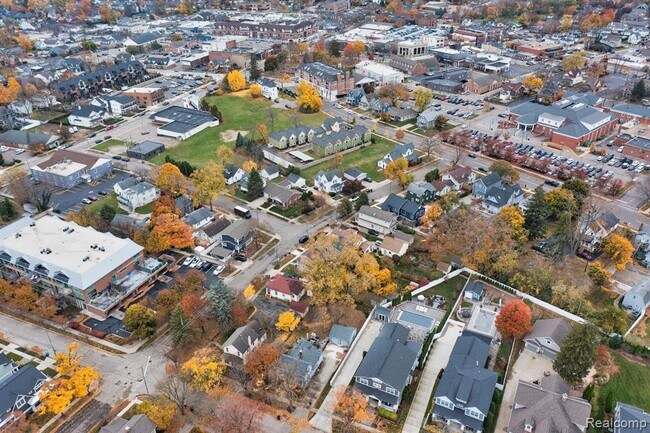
x,y
261,362
354,49
168,231
351,407
239,312
399,134
171,180
25,42
514,319
164,204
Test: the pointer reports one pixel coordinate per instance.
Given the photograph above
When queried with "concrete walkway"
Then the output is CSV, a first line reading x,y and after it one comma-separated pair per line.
x,y
438,359
323,418
15,349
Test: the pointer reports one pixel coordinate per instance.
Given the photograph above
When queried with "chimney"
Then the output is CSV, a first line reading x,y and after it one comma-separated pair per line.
x,y
250,342
300,354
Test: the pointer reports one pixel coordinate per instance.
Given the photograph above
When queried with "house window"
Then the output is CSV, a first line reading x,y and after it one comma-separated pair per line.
x,y
392,391
474,414
362,380
376,384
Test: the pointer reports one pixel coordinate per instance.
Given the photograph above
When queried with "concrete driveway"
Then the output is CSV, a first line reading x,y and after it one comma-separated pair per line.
x,y
323,418
438,359
529,367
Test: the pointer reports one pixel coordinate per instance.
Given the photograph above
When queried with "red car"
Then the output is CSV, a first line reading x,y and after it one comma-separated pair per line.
x,y
109,127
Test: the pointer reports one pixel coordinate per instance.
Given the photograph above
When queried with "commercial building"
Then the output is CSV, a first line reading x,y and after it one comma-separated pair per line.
x,y
145,150
270,26
146,95
66,169
330,82
181,123
92,270
382,74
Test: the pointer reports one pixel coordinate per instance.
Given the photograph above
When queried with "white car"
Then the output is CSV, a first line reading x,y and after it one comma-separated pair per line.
x,y
3,148
195,262
188,260
620,149
19,151
219,269
86,201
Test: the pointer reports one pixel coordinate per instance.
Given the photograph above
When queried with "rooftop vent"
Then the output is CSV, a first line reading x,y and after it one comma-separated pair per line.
x,y
18,235
71,230
85,259
32,224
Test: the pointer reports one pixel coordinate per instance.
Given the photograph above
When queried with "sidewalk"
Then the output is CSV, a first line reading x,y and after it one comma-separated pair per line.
x,y
438,359
15,349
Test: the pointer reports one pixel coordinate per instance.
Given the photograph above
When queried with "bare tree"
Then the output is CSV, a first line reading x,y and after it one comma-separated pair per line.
x,y
287,379
429,145
234,414
457,156
18,185
591,211
176,388
270,113
645,189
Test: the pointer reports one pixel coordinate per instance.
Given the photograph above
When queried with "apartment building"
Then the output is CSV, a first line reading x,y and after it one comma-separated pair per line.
x,y
330,82
283,29
146,95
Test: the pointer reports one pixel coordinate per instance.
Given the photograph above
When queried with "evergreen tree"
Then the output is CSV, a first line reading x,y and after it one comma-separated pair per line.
x,y
214,110
180,325
7,211
255,185
334,48
638,91
577,354
107,212
220,298
345,208
536,214
239,142
255,72
361,201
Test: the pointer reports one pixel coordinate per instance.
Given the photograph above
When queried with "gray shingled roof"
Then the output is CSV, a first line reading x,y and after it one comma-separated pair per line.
x,y
628,416
244,337
555,329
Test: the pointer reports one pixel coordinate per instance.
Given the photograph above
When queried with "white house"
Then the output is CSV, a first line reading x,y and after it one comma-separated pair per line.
x,y
138,195
87,117
406,151
285,289
330,182
372,218
270,173
117,105
244,340
269,88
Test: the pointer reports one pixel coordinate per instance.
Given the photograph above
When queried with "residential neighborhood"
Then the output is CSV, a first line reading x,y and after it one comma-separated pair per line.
x,y
340,216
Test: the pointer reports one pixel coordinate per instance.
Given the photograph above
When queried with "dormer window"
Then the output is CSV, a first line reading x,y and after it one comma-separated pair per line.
x,y
528,427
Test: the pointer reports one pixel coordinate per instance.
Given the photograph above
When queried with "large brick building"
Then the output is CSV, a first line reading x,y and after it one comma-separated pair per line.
x,y
330,82
573,121
286,29
146,95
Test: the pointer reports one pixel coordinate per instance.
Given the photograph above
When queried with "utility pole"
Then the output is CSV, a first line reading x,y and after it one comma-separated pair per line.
x,y
50,340
144,374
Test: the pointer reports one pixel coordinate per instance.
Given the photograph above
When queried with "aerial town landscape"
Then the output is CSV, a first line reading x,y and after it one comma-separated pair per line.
x,y
241,216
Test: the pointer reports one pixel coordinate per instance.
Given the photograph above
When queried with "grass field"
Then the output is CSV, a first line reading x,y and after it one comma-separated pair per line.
x,y
364,159
105,146
240,113
111,199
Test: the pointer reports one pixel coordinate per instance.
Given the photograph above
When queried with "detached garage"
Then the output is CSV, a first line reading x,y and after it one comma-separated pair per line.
x,y
145,150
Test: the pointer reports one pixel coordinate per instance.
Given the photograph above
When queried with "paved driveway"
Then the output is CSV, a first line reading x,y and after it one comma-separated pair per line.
x,y
323,418
70,200
529,367
438,359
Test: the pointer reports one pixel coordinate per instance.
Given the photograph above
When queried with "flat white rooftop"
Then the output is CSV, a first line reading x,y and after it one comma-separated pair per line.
x,y
65,168
82,254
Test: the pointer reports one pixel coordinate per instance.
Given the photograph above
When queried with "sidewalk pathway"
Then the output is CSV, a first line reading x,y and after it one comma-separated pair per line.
x,y
15,349
438,359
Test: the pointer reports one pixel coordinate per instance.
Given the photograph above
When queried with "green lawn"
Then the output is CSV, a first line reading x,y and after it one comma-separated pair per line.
x,y
105,146
290,212
364,159
240,113
146,209
111,199
449,289
630,385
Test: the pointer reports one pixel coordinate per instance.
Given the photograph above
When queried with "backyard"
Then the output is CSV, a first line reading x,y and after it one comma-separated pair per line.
x,y
110,199
240,114
364,159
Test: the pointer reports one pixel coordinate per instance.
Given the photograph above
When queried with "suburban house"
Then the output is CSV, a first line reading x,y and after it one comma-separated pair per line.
x,y
137,424
280,195
420,192
460,177
406,151
329,82
19,389
29,140
138,195
427,118
498,197
117,105
483,184
465,390
380,221
548,406
401,114
296,181
244,340
474,290
270,173
66,169
598,230
406,209
199,217
232,174
388,366
354,173
357,97
637,299
284,288
330,182
302,361
238,235
88,116
547,336
626,417
209,233
392,246
379,105
269,88
341,335
442,187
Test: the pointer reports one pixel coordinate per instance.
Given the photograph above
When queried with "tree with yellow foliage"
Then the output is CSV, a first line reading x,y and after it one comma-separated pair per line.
x,y
513,216
619,249
396,170
236,80
204,371
591,21
249,166
432,213
160,410
287,321
566,22
224,153
255,90
25,42
308,98
574,61
354,49
533,82
250,291
170,180
351,407
208,183
262,132
372,277
184,8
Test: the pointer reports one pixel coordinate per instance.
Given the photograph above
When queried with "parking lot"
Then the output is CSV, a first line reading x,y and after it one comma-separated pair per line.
x,y
69,200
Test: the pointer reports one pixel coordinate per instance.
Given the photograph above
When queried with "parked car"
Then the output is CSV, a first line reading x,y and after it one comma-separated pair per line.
x,y
219,269
188,260
240,257
303,239
86,201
